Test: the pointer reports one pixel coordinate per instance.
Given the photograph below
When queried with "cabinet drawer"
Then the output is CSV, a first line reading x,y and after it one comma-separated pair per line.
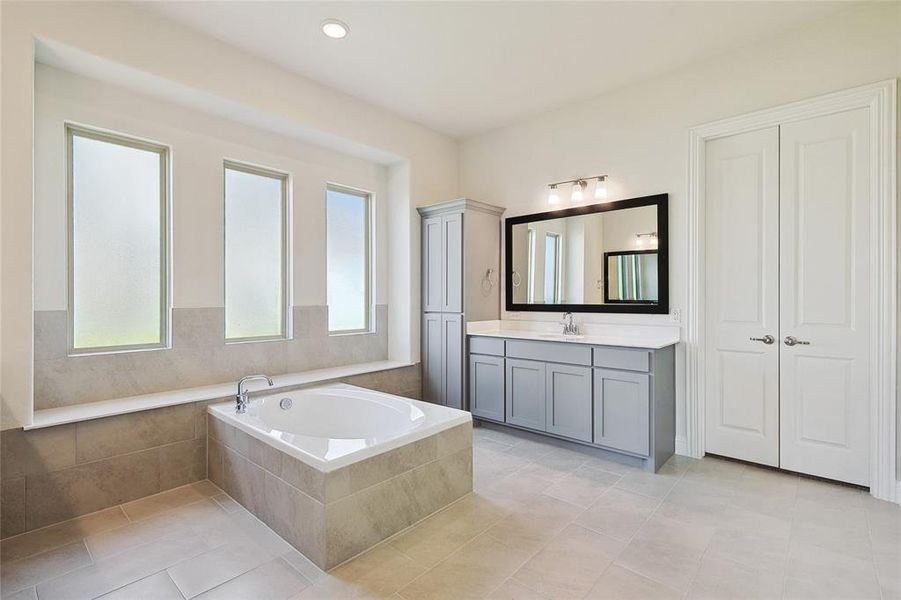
x,y
486,345
622,358
573,354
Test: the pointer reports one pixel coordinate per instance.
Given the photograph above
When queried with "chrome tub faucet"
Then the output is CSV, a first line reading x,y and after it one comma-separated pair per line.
x,y
241,399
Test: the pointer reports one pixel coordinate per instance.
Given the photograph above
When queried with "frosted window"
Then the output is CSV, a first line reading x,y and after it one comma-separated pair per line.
x,y
117,246
255,284
347,235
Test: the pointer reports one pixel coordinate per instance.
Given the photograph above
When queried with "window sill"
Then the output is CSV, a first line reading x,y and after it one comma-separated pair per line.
x,y
119,406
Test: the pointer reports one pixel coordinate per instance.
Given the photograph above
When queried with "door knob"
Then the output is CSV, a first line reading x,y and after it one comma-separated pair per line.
x,y
793,341
767,339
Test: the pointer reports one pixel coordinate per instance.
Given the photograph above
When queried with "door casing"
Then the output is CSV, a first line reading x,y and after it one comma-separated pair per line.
x,y
880,99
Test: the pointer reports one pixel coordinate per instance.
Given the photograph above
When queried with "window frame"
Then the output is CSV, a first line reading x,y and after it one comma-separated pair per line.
x,y
73,130
285,179
369,244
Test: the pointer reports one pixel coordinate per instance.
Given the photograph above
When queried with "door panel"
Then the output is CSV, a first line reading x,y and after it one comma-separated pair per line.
x,y
824,282
452,278
742,302
452,345
569,401
431,358
431,264
622,410
486,386
525,393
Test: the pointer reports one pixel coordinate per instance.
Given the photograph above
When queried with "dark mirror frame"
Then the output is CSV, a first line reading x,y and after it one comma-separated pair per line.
x,y
659,308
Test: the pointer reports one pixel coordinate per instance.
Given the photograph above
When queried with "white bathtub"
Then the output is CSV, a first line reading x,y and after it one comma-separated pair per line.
x,y
333,426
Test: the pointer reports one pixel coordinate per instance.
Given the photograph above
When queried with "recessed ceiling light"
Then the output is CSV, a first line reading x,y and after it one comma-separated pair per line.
x,y
334,29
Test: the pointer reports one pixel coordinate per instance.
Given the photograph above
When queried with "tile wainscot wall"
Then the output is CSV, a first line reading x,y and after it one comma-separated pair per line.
x,y
58,473
198,356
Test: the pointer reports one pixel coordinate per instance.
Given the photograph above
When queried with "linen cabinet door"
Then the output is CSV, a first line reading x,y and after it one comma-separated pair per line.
x,y
452,262
622,410
432,363
432,264
486,386
569,401
525,393
452,348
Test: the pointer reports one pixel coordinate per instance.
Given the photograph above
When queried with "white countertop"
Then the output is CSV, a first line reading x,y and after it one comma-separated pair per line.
x,y
107,408
629,336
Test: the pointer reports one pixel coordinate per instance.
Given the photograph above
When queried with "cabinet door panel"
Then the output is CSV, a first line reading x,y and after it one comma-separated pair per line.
x,y
622,410
452,262
525,393
569,401
486,386
432,260
431,358
452,348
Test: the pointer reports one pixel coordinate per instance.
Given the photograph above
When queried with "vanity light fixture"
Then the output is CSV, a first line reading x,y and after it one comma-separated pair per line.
x,y
335,29
652,239
553,196
578,189
600,188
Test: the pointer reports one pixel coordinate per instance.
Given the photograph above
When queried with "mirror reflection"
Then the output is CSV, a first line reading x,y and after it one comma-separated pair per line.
x,y
597,258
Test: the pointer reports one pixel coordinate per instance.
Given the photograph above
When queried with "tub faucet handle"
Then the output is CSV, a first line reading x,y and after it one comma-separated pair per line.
x,y
241,398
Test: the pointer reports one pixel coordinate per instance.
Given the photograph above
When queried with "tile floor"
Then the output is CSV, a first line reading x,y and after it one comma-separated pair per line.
x,y
543,522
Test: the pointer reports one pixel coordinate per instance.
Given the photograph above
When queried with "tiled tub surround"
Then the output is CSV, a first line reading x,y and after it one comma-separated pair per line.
x,y
57,473
333,515
198,356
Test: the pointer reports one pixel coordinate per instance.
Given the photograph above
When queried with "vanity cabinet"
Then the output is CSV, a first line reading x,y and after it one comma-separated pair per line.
x,y
486,386
622,410
459,284
525,393
442,359
617,399
442,263
568,401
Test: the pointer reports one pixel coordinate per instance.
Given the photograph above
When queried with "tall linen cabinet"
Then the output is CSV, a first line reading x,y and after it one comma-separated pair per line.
x,y
461,241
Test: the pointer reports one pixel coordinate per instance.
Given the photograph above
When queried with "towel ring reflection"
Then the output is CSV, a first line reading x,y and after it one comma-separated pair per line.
x,y
516,279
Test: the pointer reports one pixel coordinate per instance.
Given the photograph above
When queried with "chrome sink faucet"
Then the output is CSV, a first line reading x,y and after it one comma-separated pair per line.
x,y
241,399
569,325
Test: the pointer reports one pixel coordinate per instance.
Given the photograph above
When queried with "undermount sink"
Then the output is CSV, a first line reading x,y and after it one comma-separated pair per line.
x,y
559,336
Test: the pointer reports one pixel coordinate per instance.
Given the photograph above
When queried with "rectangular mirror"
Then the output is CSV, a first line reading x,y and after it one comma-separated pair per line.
x,y
609,257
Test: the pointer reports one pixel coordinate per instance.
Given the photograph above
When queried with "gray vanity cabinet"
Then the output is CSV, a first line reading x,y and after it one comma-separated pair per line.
x,y
442,359
526,393
432,265
615,399
622,410
460,264
452,359
431,357
486,386
568,401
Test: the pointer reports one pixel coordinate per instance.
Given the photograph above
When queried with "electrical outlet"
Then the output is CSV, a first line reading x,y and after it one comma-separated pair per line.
x,y
675,315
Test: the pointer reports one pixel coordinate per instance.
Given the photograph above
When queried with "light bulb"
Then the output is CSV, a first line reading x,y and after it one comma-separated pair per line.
x,y
553,197
600,189
638,241
577,191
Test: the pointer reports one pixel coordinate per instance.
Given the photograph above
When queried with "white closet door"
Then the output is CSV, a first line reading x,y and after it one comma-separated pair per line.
x,y
825,281
742,373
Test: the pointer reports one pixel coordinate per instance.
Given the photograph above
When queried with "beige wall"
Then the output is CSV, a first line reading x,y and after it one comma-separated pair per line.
x,y
423,169
639,135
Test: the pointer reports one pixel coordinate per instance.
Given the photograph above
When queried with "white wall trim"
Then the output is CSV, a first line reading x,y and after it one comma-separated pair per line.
x,y
880,98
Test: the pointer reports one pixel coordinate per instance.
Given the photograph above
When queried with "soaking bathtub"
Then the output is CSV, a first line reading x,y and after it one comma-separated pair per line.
x,y
336,469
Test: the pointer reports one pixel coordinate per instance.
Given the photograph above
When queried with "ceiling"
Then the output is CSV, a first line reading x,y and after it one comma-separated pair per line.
x,y
462,68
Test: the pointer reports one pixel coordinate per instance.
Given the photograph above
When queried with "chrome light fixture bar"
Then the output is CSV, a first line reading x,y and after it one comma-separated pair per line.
x,y
578,189
652,239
